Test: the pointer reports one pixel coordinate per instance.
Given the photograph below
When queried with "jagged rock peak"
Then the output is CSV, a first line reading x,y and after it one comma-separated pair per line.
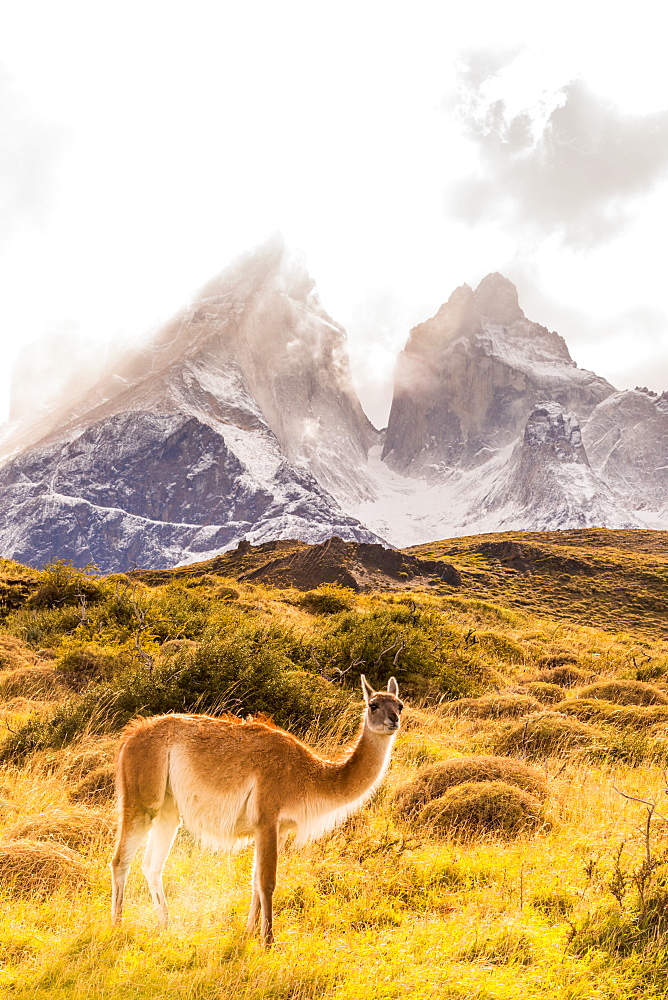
x,y
553,430
251,270
496,299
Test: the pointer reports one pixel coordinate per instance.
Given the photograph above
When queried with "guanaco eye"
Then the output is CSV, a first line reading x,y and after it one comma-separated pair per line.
x,y
399,708
373,707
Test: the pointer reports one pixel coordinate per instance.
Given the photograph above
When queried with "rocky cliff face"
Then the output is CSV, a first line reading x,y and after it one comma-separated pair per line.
x,y
468,378
548,482
627,441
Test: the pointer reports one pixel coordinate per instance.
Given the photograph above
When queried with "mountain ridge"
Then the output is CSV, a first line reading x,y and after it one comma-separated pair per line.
x,y
239,419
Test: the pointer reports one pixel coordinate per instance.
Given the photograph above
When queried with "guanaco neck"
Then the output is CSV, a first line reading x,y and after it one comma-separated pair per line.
x,y
361,768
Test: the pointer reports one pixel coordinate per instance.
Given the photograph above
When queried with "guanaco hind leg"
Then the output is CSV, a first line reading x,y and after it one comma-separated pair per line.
x,y
160,840
131,832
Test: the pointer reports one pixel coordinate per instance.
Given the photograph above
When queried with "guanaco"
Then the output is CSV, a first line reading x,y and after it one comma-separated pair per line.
x,y
230,780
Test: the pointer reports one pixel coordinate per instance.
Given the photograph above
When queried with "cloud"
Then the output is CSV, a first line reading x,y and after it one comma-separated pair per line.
x,y
627,346
29,149
570,164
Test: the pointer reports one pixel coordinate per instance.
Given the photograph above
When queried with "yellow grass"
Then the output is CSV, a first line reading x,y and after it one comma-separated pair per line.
x,y
383,908
376,909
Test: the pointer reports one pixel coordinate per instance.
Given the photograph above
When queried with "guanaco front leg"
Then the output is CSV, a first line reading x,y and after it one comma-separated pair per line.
x,y
255,906
264,882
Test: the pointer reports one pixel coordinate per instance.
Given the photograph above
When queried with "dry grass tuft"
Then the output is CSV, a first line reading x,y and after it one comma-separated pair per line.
x,y
565,676
434,781
96,786
545,693
72,827
495,705
549,735
22,706
36,868
626,693
628,716
33,682
556,659
479,809
14,653
81,759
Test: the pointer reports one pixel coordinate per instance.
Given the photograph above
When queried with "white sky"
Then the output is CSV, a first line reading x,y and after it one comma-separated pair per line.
x,y
404,147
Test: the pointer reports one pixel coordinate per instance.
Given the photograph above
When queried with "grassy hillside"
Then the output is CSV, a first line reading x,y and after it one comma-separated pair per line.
x,y
609,578
507,852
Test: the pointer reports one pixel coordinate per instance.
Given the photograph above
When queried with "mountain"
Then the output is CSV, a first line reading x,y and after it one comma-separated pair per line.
x,y
469,376
231,422
238,420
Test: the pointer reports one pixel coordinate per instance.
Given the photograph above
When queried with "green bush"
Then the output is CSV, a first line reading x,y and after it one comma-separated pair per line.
x,y
80,664
418,648
244,672
60,583
41,627
328,599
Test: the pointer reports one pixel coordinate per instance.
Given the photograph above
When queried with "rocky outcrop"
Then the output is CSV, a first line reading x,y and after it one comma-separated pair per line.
x,y
360,567
627,441
548,482
552,434
144,489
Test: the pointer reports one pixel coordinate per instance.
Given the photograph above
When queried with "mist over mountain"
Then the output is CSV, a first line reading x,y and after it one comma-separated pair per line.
x,y
238,419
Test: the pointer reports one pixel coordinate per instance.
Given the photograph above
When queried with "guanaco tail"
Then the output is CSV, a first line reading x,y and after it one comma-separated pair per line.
x,y
229,780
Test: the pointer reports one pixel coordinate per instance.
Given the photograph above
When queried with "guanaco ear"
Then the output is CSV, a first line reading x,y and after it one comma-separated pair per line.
x,y
367,690
393,687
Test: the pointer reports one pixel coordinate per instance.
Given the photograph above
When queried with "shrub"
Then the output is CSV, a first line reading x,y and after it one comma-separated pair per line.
x,y
14,653
434,781
36,868
501,646
626,693
60,583
564,676
41,683
419,649
479,809
244,672
328,599
638,920
80,760
175,647
97,786
629,747
224,593
178,612
43,626
81,664
545,736
556,659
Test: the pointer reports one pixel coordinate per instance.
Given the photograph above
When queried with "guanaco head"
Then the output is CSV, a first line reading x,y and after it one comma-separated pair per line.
x,y
382,710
